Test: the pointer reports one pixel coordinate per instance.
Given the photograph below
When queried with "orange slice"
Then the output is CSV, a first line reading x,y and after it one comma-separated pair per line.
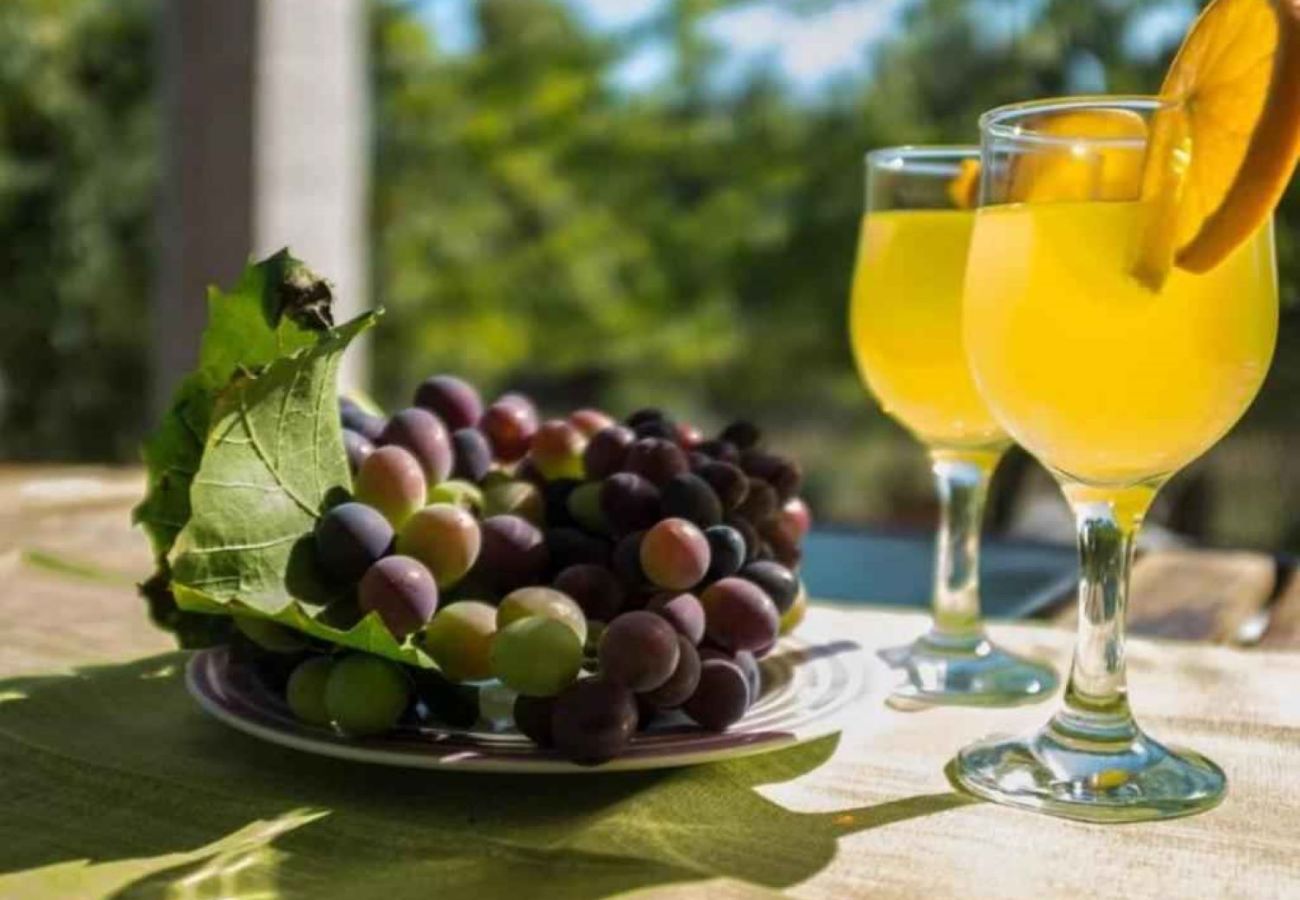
x,y
964,187
1237,79
1082,170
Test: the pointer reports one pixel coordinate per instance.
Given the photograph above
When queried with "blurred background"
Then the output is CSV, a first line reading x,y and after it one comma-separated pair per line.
x,y
603,202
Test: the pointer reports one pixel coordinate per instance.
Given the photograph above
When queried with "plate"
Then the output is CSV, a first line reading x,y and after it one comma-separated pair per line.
x,y
809,686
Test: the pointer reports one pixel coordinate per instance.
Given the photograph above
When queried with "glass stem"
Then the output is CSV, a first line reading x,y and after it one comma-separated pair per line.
x,y
962,480
1096,705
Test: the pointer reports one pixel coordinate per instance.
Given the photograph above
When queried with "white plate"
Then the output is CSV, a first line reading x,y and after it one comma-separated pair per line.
x,y
809,685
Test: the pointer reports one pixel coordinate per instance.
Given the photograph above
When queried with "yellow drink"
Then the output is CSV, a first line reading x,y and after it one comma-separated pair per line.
x,y
905,325
1097,376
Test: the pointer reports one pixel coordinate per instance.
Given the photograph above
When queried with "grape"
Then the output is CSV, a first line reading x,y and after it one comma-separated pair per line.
x,y
556,450
366,694
571,547
682,683
452,400
509,424
424,435
349,538
697,460
729,484
306,690
682,611
782,542
354,418
606,451
590,421
527,471
357,446
746,662
583,507
726,551
784,475
458,493
471,454
760,503
402,591
447,701
626,561
721,695
271,636
742,435
722,451
629,502
556,496
795,614
638,649
594,588
675,554
593,720
647,414
739,615
533,718
513,553
542,601
656,459
515,498
656,428
748,533
536,655
445,538
391,481
776,580
459,639
688,436
796,518
690,497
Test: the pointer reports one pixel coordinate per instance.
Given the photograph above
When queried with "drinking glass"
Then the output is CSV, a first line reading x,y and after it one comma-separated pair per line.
x,y
1114,382
905,327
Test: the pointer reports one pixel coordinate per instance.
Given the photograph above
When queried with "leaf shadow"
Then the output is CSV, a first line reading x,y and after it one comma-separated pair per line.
x,y
114,763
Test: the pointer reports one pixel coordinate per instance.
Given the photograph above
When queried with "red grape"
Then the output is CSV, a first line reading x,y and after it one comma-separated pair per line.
x,y
402,591
638,649
675,554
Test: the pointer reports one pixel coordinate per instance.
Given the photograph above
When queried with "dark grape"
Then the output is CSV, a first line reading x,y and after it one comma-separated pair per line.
x,y
513,553
526,470
646,712
675,554
556,496
682,611
626,561
656,428
739,615
460,639
590,421
726,551
746,662
357,446
782,541
391,481
629,502
445,538
366,694
424,435
593,720
606,451
402,590
509,424
594,588
638,649
750,535
648,414
721,695
784,475
697,460
452,400
656,459
533,718
354,418
743,435
776,580
556,450
515,498
688,436
690,497
350,538
729,484
682,683
447,701
572,546
471,454
796,517
305,691
583,506
722,451
760,503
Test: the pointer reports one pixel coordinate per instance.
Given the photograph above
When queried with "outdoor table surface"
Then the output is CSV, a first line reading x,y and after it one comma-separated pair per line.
x,y
112,782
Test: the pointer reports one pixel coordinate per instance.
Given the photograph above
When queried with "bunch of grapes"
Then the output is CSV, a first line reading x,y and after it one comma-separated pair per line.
x,y
605,573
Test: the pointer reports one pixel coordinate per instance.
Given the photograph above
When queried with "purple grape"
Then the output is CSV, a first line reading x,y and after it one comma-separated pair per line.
x,y
682,611
402,591
722,451
646,414
626,561
656,428
533,718
510,424
690,497
452,400
638,649
721,695
675,554
424,435
697,460
729,484
657,460
776,580
570,547
739,615
629,502
471,454
743,435
357,446
784,475
760,503
350,538
682,683
745,661
726,551
512,553
354,418
749,534
593,719
594,588
606,451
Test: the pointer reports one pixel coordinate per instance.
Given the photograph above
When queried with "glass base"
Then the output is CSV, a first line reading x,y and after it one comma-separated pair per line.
x,y
1062,772
966,671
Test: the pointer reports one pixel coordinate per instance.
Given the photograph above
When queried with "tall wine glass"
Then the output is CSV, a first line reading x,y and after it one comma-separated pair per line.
x,y
905,325
1114,384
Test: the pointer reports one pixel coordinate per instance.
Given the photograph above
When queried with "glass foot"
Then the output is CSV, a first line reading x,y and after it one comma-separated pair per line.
x,y
1074,776
970,671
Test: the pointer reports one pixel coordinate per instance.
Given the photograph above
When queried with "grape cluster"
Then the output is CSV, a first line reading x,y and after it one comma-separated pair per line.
x,y
605,572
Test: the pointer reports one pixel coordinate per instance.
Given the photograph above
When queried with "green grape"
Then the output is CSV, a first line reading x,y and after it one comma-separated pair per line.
x,y
458,493
515,498
583,504
366,694
537,656
306,690
542,601
460,639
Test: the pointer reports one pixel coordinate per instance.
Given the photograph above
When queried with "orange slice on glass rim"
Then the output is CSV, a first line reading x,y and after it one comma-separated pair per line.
x,y
1218,165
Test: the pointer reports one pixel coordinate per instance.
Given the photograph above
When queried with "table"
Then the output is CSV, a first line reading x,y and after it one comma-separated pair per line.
x,y
113,783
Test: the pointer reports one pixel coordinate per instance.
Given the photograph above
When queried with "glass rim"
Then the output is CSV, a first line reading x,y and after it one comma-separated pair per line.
x,y
921,152
1001,122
